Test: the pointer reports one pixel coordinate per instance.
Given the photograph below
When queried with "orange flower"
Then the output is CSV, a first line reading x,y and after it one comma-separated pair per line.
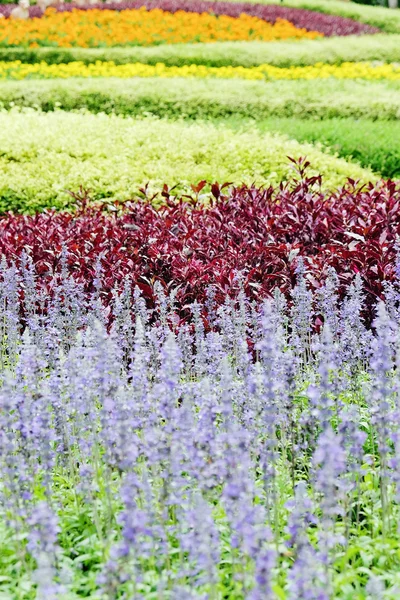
x,y
140,27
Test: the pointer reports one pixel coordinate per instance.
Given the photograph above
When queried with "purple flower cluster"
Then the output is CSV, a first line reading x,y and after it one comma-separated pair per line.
x,y
325,24
192,456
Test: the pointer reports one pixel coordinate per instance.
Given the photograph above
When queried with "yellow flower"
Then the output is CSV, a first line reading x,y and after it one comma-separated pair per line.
x,y
362,70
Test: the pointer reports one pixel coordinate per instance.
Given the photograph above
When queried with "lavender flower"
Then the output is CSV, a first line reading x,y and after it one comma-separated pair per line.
x,y
43,546
323,395
354,338
329,462
263,576
328,301
200,540
307,578
180,448
382,363
301,313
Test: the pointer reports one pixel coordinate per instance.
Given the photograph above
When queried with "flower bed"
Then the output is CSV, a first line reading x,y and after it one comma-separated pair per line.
x,y
326,25
199,386
142,27
185,466
363,70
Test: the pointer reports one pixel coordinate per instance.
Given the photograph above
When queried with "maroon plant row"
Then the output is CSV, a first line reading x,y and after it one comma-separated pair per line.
x,y
328,25
187,245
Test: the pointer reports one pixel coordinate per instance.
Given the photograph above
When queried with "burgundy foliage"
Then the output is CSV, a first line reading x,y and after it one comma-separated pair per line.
x,y
187,245
328,25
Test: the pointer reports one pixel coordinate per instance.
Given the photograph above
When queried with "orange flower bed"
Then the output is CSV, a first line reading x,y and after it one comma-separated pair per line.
x,y
140,27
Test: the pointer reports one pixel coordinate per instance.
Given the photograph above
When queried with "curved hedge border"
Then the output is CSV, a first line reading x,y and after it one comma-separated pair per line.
x,y
328,25
220,54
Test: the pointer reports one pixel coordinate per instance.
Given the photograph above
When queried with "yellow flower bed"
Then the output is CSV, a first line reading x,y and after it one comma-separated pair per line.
x,y
347,70
99,28
362,70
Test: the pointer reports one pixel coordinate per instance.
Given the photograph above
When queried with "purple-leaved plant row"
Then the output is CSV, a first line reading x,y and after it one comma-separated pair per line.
x,y
188,244
180,460
327,25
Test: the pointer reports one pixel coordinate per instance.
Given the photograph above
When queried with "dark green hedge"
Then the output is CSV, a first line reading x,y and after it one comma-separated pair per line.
x,y
374,144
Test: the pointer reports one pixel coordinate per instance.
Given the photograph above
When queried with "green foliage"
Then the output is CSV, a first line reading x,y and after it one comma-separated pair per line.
x,y
383,3
43,155
209,98
219,54
374,144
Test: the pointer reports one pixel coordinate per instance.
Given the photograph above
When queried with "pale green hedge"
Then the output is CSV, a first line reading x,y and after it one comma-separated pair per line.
x,y
281,54
209,98
45,154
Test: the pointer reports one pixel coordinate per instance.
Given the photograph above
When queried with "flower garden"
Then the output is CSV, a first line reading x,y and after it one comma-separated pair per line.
x,y
200,300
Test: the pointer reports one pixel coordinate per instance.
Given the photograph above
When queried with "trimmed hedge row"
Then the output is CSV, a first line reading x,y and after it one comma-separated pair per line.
x,y
44,155
206,98
219,54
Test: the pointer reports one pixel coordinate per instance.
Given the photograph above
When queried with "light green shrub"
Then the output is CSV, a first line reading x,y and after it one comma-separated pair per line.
x,y
43,155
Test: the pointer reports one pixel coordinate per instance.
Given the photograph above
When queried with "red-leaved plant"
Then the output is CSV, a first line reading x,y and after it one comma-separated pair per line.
x,y
188,245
